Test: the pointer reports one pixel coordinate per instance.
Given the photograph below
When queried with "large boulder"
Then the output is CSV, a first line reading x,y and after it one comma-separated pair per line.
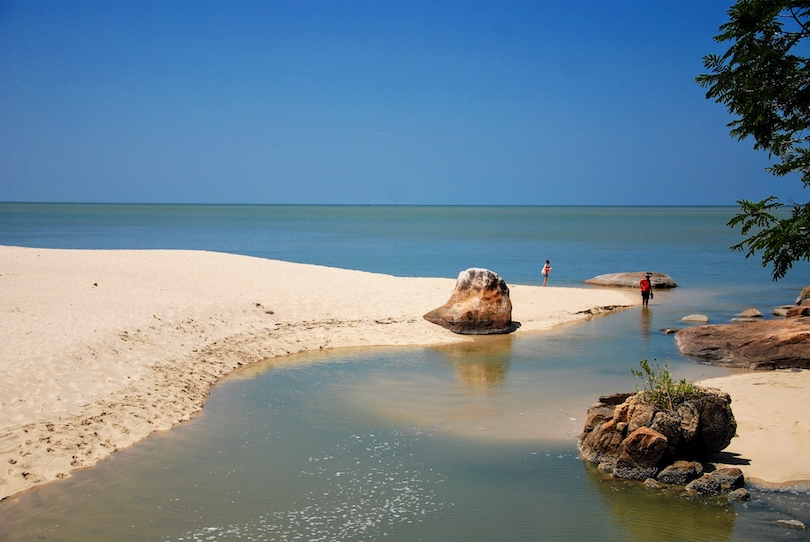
x,y
479,305
638,440
768,344
630,280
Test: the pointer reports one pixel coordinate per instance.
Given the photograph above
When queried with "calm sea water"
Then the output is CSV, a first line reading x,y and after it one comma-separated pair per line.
x,y
473,442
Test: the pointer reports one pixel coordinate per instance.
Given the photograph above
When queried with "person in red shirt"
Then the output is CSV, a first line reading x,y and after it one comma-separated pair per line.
x,y
646,290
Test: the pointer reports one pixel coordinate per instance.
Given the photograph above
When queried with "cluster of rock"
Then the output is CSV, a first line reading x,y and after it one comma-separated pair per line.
x,y
631,280
629,438
479,305
752,342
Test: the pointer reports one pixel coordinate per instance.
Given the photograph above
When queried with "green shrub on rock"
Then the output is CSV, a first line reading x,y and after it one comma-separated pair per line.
x,y
660,389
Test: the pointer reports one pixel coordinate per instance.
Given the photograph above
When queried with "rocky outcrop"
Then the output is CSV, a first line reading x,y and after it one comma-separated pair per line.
x,y
768,344
802,310
630,280
630,438
479,305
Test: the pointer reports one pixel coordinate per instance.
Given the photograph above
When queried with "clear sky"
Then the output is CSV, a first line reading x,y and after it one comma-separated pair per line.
x,y
382,102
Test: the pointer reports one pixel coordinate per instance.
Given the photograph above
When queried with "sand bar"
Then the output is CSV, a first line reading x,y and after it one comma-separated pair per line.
x,y
98,349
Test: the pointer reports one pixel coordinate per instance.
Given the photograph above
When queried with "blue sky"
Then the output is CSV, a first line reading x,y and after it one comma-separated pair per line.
x,y
381,102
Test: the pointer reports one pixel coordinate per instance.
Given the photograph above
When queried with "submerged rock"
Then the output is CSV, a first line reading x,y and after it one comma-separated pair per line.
x,y
479,305
696,318
791,524
739,495
705,485
630,280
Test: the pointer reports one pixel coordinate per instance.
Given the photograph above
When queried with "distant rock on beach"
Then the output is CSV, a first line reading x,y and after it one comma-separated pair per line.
x,y
630,280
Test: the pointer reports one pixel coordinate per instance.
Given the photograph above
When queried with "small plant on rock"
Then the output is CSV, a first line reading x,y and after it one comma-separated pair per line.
x,y
660,389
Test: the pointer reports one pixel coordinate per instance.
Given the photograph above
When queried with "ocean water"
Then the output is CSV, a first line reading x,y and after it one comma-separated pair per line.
x,y
473,442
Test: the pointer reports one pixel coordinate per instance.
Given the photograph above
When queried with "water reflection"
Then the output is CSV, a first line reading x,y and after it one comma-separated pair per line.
x,y
663,514
481,363
644,324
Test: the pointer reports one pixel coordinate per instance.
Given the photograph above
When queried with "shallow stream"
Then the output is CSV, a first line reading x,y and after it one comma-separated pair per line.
x,y
473,442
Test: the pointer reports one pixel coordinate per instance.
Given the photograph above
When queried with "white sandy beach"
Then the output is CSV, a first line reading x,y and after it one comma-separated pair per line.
x,y
100,348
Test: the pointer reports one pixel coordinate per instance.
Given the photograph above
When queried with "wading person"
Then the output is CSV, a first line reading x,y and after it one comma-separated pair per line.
x,y
646,290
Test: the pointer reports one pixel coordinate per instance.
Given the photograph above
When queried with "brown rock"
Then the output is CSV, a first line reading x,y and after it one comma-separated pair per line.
x,y
681,473
717,425
751,313
705,485
630,280
804,310
640,454
669,425
479,305
783,343
639,413
729,478
739,495
615,399
652,484
602,443
689,417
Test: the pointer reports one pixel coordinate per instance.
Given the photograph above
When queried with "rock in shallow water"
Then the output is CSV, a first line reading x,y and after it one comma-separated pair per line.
x,y
630,280
696,318
774,344
479,305
634,439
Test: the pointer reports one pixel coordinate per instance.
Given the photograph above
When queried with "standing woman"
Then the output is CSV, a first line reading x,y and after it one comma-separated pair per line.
x,y
546,269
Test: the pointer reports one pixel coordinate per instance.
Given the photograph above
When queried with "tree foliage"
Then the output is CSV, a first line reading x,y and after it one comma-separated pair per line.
x,y
765,83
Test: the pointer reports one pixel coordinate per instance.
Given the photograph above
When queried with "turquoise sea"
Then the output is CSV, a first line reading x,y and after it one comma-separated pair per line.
x,y
416,443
